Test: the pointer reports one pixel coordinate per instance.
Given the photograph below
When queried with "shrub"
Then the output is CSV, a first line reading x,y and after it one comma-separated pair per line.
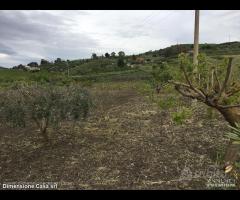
x,y
168,102
45,106
161,75
12,112
120,62
234,134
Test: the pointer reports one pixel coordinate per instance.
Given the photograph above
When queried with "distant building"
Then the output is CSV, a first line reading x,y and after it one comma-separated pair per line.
x,y
139,60
130,65
32,69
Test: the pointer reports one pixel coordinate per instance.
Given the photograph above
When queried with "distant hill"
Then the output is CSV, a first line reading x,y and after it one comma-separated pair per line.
x,y
3,67
102,64
228,48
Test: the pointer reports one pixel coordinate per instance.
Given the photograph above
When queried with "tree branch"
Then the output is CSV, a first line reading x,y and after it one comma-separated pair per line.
x,y
229,106
189,92
227,77
200,93
233,90
178,88
186,76
218,82
179,83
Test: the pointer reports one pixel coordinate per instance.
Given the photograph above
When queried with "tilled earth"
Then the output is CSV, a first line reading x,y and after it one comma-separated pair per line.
x,y
127,143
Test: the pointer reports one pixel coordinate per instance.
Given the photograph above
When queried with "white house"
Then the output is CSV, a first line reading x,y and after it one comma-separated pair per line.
x,y
32,69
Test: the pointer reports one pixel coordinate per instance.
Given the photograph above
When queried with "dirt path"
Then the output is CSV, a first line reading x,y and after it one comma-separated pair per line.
x,y
128,144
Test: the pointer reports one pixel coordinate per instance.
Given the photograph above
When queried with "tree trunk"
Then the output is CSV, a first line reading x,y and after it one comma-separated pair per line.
x,y
232,116
44,134
43,130
158,88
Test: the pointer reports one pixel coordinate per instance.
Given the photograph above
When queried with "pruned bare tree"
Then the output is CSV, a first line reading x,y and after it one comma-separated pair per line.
x,y
215,94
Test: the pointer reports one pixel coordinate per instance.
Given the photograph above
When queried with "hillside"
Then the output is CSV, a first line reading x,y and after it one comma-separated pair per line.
x,y
90,66
103,64
229,48
103,68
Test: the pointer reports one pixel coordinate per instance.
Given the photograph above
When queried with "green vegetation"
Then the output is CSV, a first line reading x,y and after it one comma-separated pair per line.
x,y
180,116
9,77
167,103
234,134
125,85
161,75
24,104
216,50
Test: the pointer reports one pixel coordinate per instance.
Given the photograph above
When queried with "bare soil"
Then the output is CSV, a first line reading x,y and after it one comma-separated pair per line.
x,y
127,143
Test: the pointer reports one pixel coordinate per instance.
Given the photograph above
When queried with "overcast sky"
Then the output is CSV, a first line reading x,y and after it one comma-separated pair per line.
x,y
27,36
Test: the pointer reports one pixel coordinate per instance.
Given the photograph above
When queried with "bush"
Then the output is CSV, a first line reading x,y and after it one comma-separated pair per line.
x,y
12,112
45,106
234,134
168,102
180,116
120,62
161,74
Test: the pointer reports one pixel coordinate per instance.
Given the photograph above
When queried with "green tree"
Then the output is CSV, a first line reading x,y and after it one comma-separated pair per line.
x,y
58,60
44,62
107,55
94,56
44,106
134,57
120,62
161,75
113,54
121,54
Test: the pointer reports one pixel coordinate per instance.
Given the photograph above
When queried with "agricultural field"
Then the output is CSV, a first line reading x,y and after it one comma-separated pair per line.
x,y
128,142
110,129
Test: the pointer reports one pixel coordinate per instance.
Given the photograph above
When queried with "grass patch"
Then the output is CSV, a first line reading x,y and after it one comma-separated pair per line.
x,y
180,116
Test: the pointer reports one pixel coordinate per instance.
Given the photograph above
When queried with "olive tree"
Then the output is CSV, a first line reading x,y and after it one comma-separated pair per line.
x,y
45,106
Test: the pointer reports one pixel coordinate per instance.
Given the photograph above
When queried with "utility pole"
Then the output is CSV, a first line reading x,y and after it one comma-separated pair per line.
x,y
196,38
68,68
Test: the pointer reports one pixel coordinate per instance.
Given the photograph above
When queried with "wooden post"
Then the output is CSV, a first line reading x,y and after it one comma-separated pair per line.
x,y
196,38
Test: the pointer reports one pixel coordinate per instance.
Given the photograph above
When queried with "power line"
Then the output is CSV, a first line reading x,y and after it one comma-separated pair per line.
x,y
171,13
146,18
139,27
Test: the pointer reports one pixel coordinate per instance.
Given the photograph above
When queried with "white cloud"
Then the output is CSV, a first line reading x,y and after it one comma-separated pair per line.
x,y
31,35
3,56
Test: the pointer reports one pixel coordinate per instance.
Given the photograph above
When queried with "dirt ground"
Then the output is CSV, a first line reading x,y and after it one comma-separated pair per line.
x,y
127,143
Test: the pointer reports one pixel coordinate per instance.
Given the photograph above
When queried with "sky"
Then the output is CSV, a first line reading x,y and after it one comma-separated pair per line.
x,y
31,35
